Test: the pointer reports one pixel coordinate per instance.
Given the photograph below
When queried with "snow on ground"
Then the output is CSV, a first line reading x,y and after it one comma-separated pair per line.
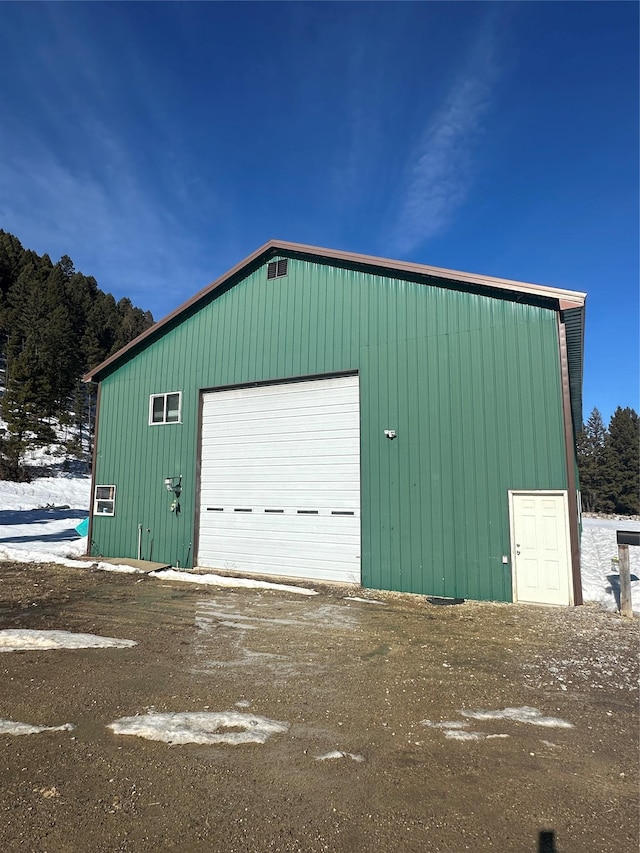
x,y
336,753
9,727
205,727
34,527
23,639
457,734
458,730
600,581
221,580
520,715
46,491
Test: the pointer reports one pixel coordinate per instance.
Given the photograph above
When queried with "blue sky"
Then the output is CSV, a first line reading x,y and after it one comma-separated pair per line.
x,y
158,144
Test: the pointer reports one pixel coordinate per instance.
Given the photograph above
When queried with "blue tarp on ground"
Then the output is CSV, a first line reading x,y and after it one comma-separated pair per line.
x,y
83,528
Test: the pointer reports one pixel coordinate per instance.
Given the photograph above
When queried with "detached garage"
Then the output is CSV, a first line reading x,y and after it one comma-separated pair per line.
x,y
326,416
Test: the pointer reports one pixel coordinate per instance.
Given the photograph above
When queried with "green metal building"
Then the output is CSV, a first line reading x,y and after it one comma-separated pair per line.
x,y
324,415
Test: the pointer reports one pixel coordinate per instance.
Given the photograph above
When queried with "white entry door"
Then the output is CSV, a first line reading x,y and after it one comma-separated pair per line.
x,y
280,480
541,553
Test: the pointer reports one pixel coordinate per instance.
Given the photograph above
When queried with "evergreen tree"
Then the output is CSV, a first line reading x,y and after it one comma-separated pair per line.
x,y
101,329
55,324
25,402
11,253
591,461
59,356
132,321
621,489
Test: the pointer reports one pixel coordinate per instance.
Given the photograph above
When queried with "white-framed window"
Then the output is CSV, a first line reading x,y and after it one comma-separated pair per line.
x,y
165,408
104,502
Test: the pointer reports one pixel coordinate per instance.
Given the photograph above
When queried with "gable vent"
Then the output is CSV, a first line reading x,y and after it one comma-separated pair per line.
x,y
277,269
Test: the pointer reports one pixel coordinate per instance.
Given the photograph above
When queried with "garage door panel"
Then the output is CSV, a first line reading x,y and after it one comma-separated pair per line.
x,y
343,530
288,395
282,486
291,424
302,570
294,448
289,504
263,456
294,417
270,561
243,485
337,554
297,413
286,475
260,500
229,549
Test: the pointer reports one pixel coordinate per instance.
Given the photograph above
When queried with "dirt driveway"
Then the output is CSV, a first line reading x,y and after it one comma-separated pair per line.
x,y
355,767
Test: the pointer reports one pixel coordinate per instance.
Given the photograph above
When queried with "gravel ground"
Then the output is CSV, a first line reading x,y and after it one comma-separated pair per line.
x,y
377,751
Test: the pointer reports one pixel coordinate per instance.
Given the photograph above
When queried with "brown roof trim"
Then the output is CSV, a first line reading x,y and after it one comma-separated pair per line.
x,y
565,298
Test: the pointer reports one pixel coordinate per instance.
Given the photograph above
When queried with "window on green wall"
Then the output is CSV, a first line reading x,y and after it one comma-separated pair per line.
x,y
104,502
165,408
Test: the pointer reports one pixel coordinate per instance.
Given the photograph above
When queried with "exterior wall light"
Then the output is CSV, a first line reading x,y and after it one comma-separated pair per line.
x,y
174,484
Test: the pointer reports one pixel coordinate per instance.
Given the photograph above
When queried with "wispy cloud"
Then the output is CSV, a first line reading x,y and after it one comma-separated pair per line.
x,y
439,171
94,169
107,221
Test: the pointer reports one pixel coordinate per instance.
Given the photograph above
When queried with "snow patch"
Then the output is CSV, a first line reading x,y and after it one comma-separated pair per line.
x,y
456,730
23,639
204,727
45,492
520,715
460,734
336,753
221,580
598,547
9,727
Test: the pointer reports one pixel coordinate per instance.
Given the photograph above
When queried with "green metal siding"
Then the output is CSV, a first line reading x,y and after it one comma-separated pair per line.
x,y
470,382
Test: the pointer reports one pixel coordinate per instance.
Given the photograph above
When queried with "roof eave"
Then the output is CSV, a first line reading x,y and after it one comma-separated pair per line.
x,y
564,298
93,374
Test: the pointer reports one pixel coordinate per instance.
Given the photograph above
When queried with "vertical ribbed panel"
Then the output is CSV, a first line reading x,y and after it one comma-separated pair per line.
x,y
470,383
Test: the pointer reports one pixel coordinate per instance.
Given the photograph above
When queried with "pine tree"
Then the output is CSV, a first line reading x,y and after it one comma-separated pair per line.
x,y
101,329
59,356
11,254
24,404
591,461
133,321
55,324
621,489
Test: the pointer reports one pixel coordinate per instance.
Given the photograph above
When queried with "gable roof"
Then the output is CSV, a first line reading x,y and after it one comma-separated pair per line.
x,y
570,302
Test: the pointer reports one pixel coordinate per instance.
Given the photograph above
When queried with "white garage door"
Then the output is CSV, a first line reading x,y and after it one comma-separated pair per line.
x,y
280,480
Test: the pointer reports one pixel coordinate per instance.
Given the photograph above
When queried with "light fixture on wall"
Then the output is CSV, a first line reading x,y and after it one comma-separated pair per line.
x,y
174,484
